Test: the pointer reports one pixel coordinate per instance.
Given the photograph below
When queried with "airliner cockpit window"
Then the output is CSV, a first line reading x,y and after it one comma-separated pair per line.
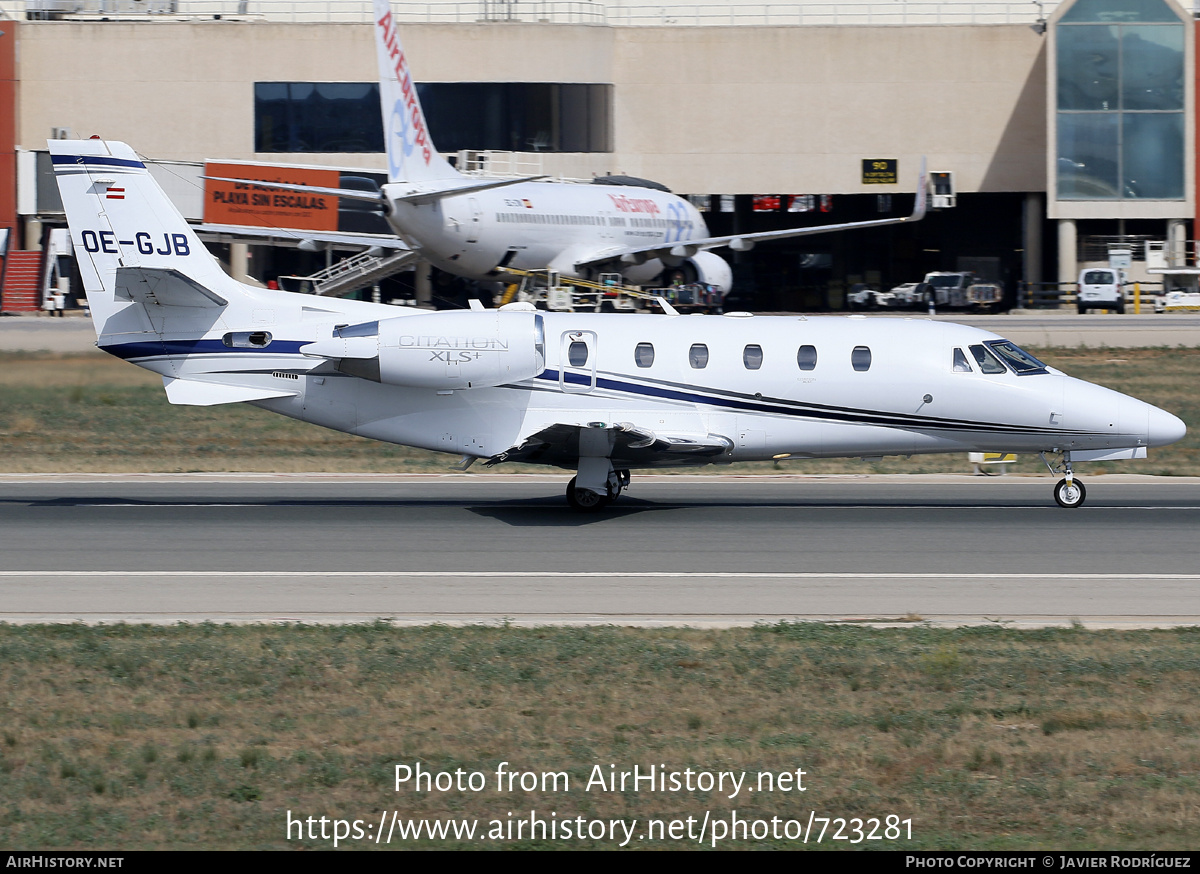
x,y
698,356
643,354
577,353
988,362
961,365
1017,358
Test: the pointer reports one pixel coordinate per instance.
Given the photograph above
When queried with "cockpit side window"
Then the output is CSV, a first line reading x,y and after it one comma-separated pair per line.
x,y
961,365
987,362
1017,358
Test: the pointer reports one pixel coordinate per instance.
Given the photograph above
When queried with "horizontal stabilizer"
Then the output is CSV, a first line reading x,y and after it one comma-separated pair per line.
x,y
165,287
193,393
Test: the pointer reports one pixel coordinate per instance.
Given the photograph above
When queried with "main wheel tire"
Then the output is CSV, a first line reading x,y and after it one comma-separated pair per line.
x,y
585,500
1069,495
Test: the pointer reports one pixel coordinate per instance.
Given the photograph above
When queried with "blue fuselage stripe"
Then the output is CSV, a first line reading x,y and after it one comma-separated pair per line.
x,y
97,160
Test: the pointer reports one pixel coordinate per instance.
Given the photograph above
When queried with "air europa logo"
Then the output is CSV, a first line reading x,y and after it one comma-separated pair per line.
x,y
409,95
634,204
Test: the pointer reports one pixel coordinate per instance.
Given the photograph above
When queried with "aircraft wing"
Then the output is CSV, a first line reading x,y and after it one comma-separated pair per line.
x,y
632,446
417,196
351,193
745,242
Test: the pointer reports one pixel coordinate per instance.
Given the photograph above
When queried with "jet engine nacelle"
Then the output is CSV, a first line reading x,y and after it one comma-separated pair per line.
x,y
702,267
451,350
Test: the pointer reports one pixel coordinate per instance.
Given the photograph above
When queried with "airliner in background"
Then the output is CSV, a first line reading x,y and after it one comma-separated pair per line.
x,y
597,393
476,229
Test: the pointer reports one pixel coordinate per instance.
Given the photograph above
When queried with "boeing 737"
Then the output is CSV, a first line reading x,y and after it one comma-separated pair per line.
x,y
596,393
476,229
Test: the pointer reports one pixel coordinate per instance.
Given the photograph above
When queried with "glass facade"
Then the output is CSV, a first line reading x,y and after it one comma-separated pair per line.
x,y
1120,92
504,116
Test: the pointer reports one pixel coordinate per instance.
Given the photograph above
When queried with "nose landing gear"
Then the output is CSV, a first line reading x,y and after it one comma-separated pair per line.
x,y
1068,492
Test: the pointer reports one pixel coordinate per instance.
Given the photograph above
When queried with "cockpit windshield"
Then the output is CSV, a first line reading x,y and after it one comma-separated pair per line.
x,y
1020,361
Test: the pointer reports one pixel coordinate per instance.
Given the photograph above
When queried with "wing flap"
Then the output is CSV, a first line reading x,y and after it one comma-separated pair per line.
x,y
632,446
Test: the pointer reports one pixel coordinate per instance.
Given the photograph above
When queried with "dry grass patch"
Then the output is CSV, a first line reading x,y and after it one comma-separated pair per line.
x,y
205,736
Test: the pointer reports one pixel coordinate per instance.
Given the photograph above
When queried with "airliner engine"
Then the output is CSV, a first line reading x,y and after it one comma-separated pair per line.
x,y
451,350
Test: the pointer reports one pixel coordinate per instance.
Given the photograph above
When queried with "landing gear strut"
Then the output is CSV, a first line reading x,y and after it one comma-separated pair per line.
x,y
589,501
1069,492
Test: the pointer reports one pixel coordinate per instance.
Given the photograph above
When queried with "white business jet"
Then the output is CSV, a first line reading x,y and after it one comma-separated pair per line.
x,y
477,229
594,392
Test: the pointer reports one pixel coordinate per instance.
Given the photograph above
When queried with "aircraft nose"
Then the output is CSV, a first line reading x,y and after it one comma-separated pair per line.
x,y
1164,428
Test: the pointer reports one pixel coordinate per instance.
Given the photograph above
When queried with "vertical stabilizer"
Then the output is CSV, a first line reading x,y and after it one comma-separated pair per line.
x,y
132,246
411,153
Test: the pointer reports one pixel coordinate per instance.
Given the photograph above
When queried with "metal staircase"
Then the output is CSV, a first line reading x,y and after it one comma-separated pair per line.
x,y
360,271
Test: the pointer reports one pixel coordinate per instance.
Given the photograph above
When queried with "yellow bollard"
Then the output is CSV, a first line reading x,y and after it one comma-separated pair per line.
x,y
1137,298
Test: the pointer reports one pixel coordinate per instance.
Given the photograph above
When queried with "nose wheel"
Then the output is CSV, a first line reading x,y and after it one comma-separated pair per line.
x,y
1069,492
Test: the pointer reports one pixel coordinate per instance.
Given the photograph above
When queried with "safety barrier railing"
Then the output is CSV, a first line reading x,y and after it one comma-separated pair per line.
x,y
719,12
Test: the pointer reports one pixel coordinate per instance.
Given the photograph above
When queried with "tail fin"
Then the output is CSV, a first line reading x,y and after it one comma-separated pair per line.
x,y
132,246
411,154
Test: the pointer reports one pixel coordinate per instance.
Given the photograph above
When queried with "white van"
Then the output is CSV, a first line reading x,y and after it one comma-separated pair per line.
x,y
1100,288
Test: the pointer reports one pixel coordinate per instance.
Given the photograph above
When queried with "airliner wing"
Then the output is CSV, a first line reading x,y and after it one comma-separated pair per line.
x,y
417,195
632,445
745,242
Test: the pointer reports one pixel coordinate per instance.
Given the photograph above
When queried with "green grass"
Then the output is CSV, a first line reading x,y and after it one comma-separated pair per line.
x,y
140,737
95,413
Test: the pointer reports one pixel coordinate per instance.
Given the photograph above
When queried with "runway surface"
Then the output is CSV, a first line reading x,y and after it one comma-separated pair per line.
x,y
1029,328
700,550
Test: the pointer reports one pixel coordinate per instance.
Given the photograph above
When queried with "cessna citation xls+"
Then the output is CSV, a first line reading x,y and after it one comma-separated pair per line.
x,y
477,228
594,392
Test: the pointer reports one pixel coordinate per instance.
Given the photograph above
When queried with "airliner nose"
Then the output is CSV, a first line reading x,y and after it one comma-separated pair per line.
x,y
1164,428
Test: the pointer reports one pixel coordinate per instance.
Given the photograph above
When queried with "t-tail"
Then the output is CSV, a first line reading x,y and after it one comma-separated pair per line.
x,y
410,150
146,274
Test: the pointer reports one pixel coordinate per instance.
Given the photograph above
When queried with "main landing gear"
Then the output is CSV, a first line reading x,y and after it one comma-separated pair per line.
x,y
589,501
1069,492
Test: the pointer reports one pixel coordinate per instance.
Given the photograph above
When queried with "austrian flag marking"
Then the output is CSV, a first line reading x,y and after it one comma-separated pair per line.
x,y
115,194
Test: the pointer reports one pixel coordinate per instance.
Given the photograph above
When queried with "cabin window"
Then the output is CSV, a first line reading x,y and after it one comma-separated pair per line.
x,y
752,357
698,356
961,365
860,359
577,353
1017,358
643,355
247,339
988,362
806,358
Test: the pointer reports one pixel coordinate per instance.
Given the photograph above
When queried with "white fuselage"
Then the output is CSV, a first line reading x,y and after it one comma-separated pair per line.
x,y
910,399
543,225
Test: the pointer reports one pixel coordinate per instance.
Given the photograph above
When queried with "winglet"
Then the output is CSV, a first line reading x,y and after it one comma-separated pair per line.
x,y
666,307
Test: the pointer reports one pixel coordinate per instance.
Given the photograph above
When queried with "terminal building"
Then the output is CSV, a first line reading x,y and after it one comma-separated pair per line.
x,y
1056,133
